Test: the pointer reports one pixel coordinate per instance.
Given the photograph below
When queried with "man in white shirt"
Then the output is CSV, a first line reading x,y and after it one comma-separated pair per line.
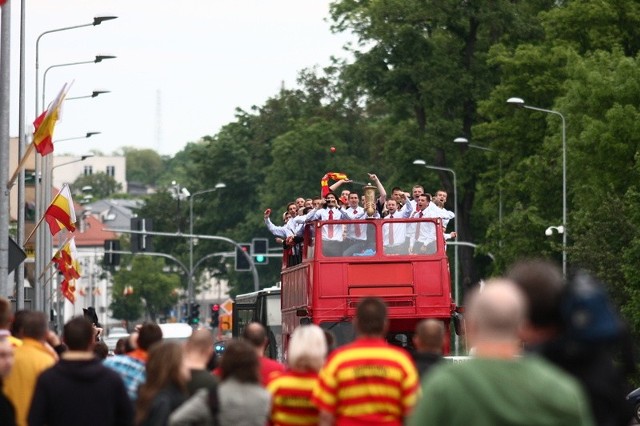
x,y
394,234
356,236
422,235
332,239
438,205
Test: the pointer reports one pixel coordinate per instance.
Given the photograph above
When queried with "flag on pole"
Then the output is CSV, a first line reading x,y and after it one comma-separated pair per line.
x,y
324,182
46,122
61,213
68,290
66,259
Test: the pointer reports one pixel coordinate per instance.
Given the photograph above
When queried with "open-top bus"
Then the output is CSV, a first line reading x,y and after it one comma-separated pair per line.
x,y
330,274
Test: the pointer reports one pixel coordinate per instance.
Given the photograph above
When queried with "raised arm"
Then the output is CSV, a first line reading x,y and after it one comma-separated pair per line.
x,y
338,184
383,194
278,231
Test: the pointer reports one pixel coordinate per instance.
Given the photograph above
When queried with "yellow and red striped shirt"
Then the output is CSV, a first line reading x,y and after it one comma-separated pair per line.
x,y
368,381
291,399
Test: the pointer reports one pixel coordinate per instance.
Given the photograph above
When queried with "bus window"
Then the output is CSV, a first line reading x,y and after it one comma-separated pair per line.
x,y
423,237
395,239
245,316
360,240
353,239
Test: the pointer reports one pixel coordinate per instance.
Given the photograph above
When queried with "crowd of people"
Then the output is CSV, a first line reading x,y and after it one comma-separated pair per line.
x,y
399,237
511,322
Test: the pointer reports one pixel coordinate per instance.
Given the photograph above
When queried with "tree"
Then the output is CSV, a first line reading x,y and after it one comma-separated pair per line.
x,y
427,62
143,165
102,185
151,289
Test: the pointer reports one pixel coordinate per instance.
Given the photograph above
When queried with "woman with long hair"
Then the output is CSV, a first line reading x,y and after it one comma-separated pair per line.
x,y
165,388
240,399
291,391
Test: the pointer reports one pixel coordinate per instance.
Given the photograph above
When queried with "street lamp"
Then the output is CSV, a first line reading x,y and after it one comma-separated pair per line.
x,y
455,224
465,141
96,21
455,212
97,59
82,158
93,94
518,102
190,290
86,136
549,231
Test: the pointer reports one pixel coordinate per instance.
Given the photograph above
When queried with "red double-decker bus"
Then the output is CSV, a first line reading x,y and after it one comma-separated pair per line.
x,y
341,262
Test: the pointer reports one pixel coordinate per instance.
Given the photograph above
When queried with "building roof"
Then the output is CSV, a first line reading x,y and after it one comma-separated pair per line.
x,y
91,233
114,213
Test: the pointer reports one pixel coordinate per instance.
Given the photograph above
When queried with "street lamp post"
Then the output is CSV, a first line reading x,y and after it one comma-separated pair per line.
x,y
455,211
47,161
44,164
518,102
93,94
86,136
190,289
455,224
484,148
97,59
96,21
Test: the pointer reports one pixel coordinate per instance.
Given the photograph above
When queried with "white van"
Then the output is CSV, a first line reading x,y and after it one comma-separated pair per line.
x,y
176,331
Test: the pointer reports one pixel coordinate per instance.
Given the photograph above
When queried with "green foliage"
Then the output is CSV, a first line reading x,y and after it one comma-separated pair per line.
x,y
154,291
102,185
143,165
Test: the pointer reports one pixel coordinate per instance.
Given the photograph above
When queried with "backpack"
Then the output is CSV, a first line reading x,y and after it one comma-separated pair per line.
x,y
589,316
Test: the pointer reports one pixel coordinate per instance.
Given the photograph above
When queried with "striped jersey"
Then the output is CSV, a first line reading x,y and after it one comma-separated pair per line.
x,y
291,399
368,381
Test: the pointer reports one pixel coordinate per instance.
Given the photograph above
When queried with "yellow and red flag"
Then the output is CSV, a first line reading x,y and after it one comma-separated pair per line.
x,y
61,213
46,122
324,182
66,259
68,290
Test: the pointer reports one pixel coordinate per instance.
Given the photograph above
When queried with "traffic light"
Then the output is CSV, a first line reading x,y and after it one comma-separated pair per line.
x,y
111,259
141,242
242,263
260,249
215,315
194,318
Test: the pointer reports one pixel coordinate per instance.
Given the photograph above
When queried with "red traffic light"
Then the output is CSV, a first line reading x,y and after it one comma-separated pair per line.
x,y
215,308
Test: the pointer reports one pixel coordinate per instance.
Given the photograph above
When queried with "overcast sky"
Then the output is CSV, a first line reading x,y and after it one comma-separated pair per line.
x,y
182,67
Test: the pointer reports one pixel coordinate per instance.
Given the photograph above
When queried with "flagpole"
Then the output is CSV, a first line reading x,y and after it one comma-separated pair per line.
x,y
53,257
26,240
23,160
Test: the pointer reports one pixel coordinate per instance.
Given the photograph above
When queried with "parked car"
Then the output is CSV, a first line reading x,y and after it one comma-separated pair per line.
x,y
634,400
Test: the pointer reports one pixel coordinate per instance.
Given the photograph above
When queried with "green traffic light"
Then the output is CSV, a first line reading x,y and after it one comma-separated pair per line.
x,y
260,259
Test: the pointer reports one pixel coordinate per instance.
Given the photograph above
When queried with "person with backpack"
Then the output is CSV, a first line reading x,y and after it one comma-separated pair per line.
x,y
574,326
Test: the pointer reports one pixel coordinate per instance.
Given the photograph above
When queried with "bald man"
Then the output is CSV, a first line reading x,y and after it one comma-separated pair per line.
x,y
428,341
500,385
198,350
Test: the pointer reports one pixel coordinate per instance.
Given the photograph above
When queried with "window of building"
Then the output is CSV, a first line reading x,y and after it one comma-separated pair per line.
x,y
88,170
111,171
